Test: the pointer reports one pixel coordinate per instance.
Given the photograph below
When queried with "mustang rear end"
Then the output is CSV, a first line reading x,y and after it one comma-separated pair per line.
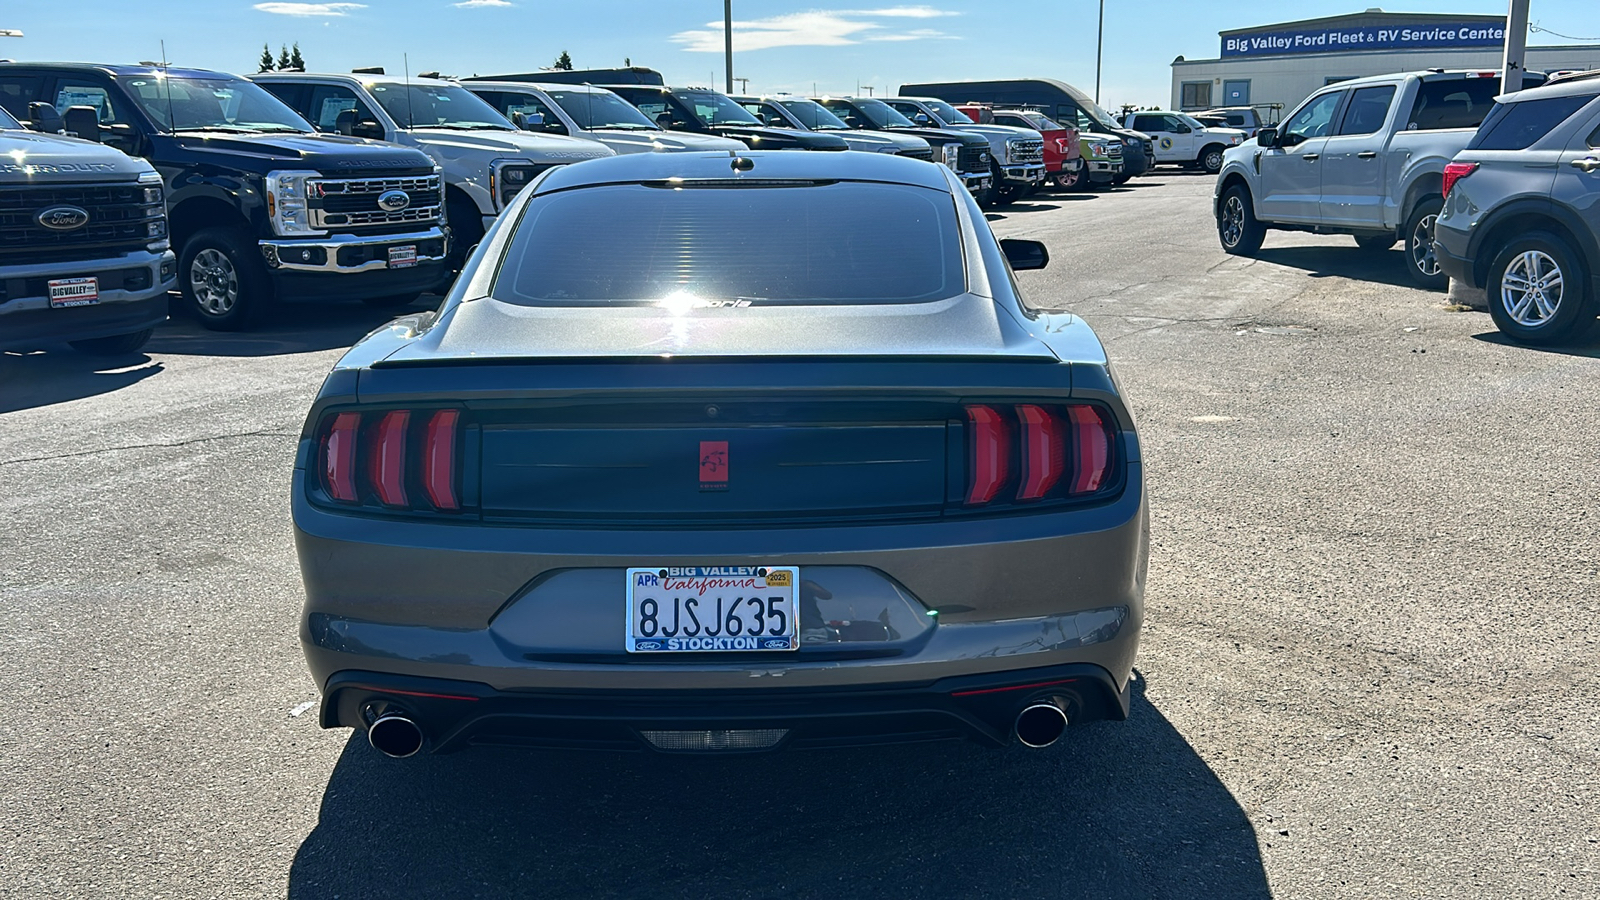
x,y
725,454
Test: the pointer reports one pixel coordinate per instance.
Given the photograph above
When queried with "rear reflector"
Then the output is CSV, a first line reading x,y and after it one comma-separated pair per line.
x,y
1454,172
1044,451
991,454
1091,458
339,457
386,467
439,459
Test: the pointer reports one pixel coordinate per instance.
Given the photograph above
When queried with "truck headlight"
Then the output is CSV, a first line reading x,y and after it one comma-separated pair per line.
x,y
1237,139
1011,150
508,179
952,157
288,202
1100,149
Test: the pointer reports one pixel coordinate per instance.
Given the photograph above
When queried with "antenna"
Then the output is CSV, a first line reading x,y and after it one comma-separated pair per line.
x,y
166,82
411,117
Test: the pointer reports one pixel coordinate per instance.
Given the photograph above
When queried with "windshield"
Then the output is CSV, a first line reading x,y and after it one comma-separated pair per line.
x,y
438,106
211,104
814,115
712,108
6,121
601,109
844,243
881,114
1192,122
947,114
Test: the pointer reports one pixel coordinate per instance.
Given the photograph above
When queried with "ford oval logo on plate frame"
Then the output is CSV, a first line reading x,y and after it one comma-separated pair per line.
x,y
62,218
393,201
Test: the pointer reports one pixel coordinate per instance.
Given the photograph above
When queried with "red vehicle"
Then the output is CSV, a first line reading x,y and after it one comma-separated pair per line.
x,y
1063,152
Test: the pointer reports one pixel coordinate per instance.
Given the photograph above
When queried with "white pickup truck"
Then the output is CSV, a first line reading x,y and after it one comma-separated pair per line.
x,y
1363,157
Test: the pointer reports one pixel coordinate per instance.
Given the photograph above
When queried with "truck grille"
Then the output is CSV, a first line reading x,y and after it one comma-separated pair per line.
x,y
1026,152
119,220
974,160
1114,152
353,202
919,153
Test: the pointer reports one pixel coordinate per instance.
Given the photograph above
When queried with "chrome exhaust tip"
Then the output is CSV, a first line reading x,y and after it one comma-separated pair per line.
x,y
394,735
1042,722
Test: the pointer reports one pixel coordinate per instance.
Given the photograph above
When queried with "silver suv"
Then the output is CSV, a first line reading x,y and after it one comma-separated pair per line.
x,y
1522,212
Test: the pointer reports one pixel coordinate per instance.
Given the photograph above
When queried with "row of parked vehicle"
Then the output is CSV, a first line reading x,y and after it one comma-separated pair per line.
x,y
1500,191
125,182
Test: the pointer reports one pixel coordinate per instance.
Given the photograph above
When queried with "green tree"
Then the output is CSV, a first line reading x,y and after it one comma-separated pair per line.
x,y
266,59
296,61
564,61
283,59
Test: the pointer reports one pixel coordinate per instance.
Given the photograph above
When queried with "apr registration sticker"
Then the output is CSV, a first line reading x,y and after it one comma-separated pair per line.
x,y
712,609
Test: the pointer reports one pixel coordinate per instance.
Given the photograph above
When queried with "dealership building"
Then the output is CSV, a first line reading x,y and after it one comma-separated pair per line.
x,y
1279,65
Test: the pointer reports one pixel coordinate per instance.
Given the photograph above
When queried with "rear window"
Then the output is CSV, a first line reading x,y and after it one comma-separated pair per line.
x,y
845,243
1516,126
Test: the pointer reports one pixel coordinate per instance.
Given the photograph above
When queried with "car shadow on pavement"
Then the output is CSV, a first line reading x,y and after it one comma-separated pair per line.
x,y
31,380
1387,267
1117,809
1589,349
291,328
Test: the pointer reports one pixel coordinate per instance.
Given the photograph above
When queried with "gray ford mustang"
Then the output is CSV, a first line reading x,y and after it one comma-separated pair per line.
x,y
715,453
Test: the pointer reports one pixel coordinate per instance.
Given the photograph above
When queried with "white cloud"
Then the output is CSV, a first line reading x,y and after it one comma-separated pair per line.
x,y
471,4
919,34
309,9
815,28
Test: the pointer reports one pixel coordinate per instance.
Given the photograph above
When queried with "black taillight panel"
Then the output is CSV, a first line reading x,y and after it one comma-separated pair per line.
x,y
1020,455
412,461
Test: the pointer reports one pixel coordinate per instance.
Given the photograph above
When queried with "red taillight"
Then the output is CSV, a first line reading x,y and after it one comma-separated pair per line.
x,y
1091,445
1454,172
339,457
439,459
1064,145
991,454
1044,451
386,464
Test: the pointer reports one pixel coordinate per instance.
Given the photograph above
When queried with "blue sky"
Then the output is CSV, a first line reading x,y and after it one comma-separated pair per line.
x,y
781,45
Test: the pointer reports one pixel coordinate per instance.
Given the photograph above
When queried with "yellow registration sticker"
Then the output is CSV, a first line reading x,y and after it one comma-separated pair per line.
x,y
780,578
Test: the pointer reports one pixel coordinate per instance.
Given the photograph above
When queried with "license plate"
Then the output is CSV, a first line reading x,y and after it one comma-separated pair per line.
x,y
69,292
403,257
713,609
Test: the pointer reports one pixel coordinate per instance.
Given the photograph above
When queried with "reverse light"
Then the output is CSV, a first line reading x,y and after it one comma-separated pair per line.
x,y
386,464
1454,172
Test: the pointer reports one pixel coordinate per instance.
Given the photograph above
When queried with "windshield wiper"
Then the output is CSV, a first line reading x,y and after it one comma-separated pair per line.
x,y
624,126
474,127
230,129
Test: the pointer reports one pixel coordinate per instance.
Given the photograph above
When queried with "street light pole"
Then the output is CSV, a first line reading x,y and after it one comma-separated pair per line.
x,y
1515,63
727,39
1099,45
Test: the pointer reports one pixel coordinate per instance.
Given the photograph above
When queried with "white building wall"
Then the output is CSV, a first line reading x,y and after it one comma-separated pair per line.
x,y
1290,79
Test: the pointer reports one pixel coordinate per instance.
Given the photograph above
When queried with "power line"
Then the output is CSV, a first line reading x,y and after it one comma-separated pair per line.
x,y
1560,35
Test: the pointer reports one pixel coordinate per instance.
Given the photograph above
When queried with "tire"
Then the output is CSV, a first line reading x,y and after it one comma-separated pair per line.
x,y
466,230
1071,182
1000,194
1120,179
223,279
1375,243
115,345
1421,264
392,301
1528,313
1211,159
1237,227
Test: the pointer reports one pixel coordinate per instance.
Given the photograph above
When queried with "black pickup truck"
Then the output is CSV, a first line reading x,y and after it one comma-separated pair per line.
x,y
704,111
261,207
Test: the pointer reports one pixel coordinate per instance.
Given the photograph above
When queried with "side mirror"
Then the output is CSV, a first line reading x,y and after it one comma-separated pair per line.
x,y
1184,129
82,121
43,117
922,119
1267,137
1024,255
369,129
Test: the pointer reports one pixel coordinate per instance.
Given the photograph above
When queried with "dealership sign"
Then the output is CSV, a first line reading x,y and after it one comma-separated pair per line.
x,y
1394,37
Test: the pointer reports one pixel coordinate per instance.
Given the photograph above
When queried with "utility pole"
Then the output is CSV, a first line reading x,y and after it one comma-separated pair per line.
x,y
727,39
1516,58
1099,45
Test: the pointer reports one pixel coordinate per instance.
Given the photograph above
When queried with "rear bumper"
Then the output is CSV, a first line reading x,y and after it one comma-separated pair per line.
x,y
458,714
1459,268
27,320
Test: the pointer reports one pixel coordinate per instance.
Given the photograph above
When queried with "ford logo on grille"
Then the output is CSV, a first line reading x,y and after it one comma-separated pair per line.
x,y
393,201
62,218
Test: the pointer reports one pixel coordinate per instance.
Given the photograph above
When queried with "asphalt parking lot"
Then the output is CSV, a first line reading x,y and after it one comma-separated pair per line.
x,y
1368,669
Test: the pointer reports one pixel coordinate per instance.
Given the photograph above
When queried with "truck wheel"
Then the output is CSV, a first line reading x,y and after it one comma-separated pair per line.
x,y
1375,243
1421,263
115,345
1071,182
466,230
1120,179
1538,292
1237,227
1000,194
1211,159
223,279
